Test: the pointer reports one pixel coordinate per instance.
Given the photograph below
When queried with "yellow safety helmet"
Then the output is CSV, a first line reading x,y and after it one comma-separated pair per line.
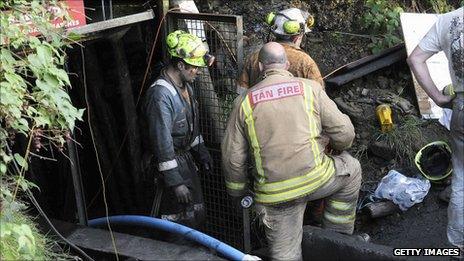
x,y
291,21
190,48
434,161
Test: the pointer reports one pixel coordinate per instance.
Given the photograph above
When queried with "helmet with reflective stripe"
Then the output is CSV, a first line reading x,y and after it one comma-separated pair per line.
x,y
434,161
292,21
188,47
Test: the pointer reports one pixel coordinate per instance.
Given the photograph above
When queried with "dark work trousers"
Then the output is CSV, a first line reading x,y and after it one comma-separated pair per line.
x,y
192,214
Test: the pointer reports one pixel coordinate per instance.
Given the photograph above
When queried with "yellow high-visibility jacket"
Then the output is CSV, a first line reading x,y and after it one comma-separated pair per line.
x,y
278,122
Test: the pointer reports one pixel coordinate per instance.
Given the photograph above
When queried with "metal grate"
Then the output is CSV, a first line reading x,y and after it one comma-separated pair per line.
x,y
215,90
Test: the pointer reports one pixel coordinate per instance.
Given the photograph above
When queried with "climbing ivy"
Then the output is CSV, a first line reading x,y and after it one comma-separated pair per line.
x,y
33,103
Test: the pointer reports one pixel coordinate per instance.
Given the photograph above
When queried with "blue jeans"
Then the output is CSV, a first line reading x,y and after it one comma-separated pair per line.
x,y
455,230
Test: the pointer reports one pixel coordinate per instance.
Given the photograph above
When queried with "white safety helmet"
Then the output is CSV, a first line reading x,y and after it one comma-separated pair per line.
x,y
292,21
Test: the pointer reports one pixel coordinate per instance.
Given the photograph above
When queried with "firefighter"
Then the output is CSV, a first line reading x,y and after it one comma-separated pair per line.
x,y
288,26
278,122
174,139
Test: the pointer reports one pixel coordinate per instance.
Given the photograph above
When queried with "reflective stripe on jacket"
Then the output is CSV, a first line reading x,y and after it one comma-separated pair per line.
x,y
279,122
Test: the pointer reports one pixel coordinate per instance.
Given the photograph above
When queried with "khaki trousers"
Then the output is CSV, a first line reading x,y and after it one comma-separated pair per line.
x,y
284,222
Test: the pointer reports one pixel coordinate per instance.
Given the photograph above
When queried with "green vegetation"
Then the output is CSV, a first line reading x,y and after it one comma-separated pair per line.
x,y
382,19
441,6
34,103
226,103
406,138
19,236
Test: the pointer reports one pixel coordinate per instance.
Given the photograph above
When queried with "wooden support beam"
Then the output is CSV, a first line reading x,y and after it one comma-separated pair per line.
x,y
95,28
367,65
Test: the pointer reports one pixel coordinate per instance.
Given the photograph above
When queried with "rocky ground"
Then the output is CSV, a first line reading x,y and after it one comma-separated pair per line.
x,y
335,41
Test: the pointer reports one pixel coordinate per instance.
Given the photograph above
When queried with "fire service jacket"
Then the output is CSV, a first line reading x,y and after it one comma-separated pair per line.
x,y
280,121
173,132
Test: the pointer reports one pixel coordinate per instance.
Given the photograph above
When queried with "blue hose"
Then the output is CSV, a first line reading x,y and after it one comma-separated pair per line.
x,y
192,234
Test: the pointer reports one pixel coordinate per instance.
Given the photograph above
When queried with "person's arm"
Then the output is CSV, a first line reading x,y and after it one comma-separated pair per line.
x,y
201,154
198,148
417,63
243,80
247,77
336,125
235,153
430,44
159,115
313,72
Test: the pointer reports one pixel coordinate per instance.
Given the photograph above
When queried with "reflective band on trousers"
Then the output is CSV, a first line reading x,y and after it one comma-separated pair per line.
x,y
340,219
340,205
254,139
184,215
235,185
198,139
167,165
309,102
303,188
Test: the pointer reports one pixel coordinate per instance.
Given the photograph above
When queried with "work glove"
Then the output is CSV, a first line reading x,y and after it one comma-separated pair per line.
x,y
183,194
207,167
202,157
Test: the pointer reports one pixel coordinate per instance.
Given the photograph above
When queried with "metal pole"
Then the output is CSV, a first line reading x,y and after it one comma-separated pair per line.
x,y
163,7
239,26
246,203
77,182
103,9
111,9
246,231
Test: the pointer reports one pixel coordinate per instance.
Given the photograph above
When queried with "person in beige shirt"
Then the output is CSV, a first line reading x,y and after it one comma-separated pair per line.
x,y
278,122
301,64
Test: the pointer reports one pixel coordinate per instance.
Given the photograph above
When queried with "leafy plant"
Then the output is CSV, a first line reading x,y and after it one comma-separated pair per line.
x,y
440,6
20,239
382,18
33,103
32,79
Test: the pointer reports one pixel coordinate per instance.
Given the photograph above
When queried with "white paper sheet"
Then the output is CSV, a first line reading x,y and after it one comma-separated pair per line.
x,y
415,26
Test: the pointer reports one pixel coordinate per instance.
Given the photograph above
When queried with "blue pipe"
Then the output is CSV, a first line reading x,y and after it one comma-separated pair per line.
x,y
165,225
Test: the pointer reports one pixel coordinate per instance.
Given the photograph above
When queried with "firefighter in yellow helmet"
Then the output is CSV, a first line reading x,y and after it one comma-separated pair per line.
x,y
174,138
289,27
278,124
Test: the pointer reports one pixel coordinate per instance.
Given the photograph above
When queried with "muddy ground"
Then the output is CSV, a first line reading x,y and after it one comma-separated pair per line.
x,y
337,40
